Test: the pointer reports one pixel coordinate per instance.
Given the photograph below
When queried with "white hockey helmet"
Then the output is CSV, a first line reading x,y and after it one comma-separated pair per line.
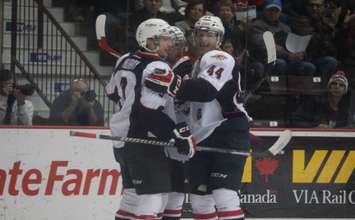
x,y
211,23
177,35
152,28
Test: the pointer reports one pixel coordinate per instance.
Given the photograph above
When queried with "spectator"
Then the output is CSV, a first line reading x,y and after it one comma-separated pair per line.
x,y
331,12
347,9
329,111
14,108
194,10
210,6
234,43
22,109
293,7
151,9
168,6
249,79
6,99
77,106
321,50
78,10
233,28
287,62
345,39
228,45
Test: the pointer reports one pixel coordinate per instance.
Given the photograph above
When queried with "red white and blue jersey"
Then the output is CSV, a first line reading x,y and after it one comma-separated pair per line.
x,y
139,108
219,69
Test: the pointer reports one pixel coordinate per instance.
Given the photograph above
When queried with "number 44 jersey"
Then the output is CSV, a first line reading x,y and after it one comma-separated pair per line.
x,y
221,71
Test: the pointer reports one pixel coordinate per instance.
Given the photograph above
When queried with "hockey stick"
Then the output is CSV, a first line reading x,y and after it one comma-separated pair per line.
x,y
256,87
269,42
275,149
246,46
270,46
101,36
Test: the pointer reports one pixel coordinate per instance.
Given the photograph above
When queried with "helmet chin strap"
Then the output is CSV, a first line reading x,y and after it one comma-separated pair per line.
x,y
219,40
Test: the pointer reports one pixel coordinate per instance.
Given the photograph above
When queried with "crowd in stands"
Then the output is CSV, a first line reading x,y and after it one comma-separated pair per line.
x,y
329,55
330,51
15,107
77,106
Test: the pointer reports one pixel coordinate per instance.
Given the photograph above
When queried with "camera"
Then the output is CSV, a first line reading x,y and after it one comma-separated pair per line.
x,y
26,89
89,95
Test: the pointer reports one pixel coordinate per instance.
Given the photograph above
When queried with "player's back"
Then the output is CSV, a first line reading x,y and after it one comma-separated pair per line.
x,y
125,88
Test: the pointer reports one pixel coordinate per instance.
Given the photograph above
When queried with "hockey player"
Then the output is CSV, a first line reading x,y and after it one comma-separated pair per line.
x,y
218,119
180,62
182,66
140,108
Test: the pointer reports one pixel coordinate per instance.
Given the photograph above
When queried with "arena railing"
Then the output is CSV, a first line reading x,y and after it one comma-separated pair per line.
x,y
43,53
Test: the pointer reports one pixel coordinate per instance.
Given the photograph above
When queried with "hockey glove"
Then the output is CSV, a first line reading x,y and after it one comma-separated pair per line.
x,y
163,81
172,153
184,141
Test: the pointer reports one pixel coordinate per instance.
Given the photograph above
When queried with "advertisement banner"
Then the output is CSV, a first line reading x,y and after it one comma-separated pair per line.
x,y
314,178
47,174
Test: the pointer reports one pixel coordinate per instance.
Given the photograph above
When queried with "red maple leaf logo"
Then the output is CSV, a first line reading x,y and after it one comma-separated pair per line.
x,y
267,167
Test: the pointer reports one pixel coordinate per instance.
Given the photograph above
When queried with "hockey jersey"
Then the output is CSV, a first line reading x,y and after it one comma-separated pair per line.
x,y
139,108
220,70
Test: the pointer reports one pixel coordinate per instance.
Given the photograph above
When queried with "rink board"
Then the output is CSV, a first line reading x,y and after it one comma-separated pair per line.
x,y
46,174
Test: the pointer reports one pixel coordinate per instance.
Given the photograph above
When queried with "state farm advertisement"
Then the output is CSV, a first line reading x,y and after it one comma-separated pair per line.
x,y
47,174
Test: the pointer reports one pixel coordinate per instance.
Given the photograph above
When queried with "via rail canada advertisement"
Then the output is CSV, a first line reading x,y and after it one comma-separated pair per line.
x,y
47,174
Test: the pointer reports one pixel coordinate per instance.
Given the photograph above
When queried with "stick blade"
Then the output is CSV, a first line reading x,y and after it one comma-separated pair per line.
x,y
100,26
270,46
281,142
82,134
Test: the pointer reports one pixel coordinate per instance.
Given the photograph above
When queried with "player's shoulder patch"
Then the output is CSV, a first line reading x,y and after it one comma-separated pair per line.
x,y
217,55
130,63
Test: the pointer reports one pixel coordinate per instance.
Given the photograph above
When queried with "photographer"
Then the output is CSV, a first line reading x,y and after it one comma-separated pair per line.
x,y
77,106
14,107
